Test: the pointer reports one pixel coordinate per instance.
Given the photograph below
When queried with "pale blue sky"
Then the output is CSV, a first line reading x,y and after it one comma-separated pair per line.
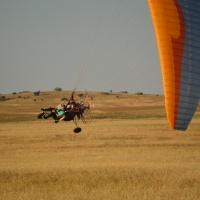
x,y
94,45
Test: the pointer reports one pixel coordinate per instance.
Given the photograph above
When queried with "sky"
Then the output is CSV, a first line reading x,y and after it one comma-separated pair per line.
x,y
92,45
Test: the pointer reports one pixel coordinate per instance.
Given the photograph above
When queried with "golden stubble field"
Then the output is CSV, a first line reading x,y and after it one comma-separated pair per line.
x,y
127,152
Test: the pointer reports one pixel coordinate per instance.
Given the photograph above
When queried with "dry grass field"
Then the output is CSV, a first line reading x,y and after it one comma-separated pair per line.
x,y
127,152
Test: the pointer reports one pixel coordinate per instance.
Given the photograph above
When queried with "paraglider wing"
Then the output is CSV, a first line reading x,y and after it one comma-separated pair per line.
x,y
177,29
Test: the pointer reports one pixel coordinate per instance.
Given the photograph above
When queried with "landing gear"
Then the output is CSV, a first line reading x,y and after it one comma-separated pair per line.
x,y
77,130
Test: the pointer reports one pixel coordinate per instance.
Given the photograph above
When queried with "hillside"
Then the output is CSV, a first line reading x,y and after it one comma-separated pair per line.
x,y
27,104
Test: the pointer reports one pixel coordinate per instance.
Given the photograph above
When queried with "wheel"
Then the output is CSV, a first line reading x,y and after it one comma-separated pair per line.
x,y
77,130
86,116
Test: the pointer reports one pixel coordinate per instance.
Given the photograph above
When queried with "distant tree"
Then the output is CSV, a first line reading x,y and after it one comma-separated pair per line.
x,y
81,95
57,89
139,93
37,93
124,92
2,98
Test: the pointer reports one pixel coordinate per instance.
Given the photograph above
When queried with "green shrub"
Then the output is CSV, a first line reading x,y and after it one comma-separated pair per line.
x,y
57,89
139,93
81,95
37,93
124,92
64,99
2,98
105,93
